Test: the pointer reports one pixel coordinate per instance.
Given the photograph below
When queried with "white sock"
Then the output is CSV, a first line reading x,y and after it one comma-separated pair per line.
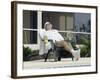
x,y
73,52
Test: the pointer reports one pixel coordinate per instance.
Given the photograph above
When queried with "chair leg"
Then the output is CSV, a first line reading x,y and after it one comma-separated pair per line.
x,y
55,56
72,58
59,56
47,55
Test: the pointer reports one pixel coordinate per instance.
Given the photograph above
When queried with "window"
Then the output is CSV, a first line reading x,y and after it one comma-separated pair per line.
x,y
29,26
61,21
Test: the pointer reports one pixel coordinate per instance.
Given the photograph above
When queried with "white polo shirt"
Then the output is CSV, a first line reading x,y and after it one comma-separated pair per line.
x,y
52,35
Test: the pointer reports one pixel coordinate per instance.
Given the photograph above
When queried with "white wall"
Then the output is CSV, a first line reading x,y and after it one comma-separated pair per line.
x,y
5,40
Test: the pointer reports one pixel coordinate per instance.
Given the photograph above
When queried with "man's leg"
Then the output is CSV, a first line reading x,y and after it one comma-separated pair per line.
x,y
75,53
65,45
68,47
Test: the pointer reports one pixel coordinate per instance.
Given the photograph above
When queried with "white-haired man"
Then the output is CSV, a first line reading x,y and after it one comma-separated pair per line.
x,y
58,40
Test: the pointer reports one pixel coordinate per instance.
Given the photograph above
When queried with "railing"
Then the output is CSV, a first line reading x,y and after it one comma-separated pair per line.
x,y
58,31
66,34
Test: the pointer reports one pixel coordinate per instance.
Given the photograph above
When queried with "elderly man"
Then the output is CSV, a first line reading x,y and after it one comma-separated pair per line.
x,y
58,40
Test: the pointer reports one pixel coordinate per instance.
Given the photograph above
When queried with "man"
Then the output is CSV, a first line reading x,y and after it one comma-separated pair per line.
x,y
58,40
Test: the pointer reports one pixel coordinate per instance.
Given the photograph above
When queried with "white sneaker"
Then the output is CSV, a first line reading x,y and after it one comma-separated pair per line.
x,y
76,54
79,51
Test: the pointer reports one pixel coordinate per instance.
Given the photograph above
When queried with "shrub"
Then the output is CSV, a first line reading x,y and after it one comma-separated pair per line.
x,y
26,51
29,54
85,51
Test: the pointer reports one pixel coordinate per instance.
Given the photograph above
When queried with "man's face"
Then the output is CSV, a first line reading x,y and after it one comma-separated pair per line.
x,y
49,27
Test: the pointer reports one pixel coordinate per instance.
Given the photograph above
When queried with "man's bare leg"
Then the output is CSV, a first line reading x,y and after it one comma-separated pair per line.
x,y
68,47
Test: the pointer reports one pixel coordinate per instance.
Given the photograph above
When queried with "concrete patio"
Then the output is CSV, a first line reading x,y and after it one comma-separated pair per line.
x,y
65,62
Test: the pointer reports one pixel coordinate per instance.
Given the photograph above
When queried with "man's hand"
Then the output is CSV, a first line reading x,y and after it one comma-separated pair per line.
x,y
45,41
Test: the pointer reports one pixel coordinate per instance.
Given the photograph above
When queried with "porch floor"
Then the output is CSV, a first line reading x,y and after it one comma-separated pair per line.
x,y
65,62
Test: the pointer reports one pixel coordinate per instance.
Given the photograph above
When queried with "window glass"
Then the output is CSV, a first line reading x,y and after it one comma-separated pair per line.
x,y
29,24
